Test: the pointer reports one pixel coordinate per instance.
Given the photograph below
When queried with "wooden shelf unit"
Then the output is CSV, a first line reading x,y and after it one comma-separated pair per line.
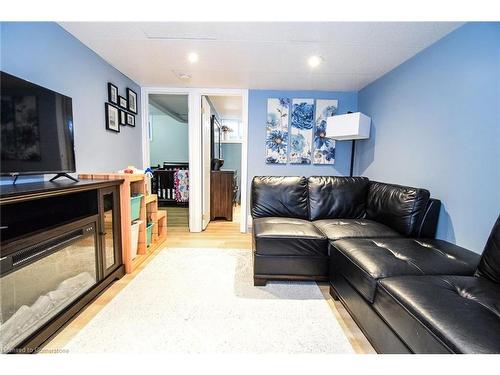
x,y
152,215
136,184
162,224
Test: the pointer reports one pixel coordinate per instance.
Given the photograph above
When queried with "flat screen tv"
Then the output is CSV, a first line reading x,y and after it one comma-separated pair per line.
x,y
36,129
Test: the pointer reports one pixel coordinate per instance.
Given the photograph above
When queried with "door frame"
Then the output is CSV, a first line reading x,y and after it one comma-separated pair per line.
x,y
206,182
195,146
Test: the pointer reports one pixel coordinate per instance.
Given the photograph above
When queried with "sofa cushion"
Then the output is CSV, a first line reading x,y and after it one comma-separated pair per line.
x,y
332,197
399,207
433,314
364,261
336,229
489,266
288,236
280,197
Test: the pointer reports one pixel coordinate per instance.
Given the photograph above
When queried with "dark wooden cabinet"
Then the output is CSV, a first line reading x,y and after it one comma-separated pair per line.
x,y
221,195
109,221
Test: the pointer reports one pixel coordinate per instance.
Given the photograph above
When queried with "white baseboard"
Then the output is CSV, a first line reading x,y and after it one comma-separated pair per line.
x,y
249,222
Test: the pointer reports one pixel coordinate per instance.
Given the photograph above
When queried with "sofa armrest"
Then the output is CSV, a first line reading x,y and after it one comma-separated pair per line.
x,y
428,226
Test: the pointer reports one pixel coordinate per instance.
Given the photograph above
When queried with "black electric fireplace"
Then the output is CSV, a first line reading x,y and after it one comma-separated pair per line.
x,y
60,247
41,279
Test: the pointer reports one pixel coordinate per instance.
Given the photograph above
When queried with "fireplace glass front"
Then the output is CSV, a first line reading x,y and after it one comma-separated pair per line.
x,y
40,281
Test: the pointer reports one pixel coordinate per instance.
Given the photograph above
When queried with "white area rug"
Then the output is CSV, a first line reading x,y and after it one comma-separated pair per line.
x,y
204,301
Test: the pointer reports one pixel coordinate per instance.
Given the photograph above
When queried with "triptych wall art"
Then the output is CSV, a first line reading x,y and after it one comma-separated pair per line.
x,y
306,141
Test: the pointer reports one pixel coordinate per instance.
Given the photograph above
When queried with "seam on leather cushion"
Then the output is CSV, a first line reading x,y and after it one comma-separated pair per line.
x,y
395,255
372,281
289,237
293,256
456,290
425,244
410,222
312,246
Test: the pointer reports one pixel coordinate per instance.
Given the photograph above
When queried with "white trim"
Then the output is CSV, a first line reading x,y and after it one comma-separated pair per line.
x,y
195,164
244,163
250,222
195,146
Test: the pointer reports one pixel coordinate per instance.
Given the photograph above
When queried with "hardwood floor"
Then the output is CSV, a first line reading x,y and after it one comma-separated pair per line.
x,y
177,217
219,234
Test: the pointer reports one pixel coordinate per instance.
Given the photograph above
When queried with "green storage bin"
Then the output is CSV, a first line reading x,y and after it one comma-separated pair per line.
x,y
149,233
135,207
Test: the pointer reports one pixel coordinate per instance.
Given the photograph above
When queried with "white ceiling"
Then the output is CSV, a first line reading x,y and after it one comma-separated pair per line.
x,y
258,55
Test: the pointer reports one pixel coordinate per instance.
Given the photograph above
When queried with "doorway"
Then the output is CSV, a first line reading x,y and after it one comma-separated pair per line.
x,y
168,136
196,188
222,156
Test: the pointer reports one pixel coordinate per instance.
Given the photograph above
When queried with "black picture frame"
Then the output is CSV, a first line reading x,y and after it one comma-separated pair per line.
x,y
112,93
112,117
122,102
132,100
123,117
130,119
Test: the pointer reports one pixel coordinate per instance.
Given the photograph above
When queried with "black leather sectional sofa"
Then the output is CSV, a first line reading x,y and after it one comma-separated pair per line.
x,y
374,242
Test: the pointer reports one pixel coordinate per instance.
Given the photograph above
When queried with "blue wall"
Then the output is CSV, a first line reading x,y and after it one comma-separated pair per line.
x,y
44,53
170,139
436,124
231,153
257,117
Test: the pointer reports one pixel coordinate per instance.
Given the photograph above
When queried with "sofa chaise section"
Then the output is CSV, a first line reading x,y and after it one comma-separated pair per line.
x,y
447,314
363,262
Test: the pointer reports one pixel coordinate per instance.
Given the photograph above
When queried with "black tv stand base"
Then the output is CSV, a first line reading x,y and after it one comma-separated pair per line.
x,y
63,175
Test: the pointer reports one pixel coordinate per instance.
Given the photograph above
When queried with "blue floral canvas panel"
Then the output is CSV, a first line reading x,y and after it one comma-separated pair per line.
x,y
324,147
277,130
301,131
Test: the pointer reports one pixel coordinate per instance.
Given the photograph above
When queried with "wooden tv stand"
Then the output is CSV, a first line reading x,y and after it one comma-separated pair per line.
x,y
39,220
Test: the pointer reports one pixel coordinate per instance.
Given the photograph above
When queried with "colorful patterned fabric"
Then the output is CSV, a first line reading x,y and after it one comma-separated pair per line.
x,y
181,185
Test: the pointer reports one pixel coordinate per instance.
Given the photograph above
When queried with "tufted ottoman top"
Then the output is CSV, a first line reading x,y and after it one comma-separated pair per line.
x,y
364,261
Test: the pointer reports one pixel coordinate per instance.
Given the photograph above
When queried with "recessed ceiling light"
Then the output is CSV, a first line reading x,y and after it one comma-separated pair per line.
x,y
314,61
193,57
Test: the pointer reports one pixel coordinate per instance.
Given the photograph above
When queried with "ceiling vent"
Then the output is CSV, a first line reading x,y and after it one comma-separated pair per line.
x,y
182,75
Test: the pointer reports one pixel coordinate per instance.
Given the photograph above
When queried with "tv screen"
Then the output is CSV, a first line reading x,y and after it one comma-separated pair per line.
x,y
36,129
